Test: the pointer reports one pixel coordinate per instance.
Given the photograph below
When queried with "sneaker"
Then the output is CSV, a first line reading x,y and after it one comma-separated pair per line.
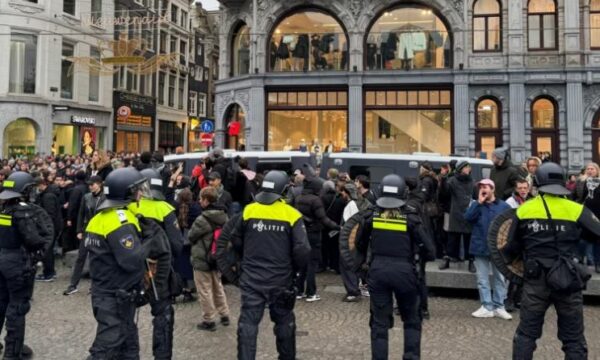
x,y
502,314
45,278
225,320
207,326
351,299
26,352
472,268
365,292
482,312
301,296
313,298
70,290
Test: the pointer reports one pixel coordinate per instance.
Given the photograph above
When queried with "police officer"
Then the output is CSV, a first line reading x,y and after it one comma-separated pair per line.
x,y
397,240
160,251
18,239
549,225
272,241
112,238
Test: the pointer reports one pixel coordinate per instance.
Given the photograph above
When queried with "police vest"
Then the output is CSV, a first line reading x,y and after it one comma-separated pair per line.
x,y
107,221
151,209
8,233
390,237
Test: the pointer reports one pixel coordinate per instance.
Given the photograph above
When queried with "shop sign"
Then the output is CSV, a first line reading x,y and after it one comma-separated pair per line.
x,y
134,110
207,126
83,120
206,139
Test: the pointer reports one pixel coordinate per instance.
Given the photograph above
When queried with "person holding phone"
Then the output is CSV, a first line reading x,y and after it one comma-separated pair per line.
x,y
480,214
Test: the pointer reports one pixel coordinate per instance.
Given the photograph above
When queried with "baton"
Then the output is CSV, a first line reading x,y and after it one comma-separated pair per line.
x,y
151,277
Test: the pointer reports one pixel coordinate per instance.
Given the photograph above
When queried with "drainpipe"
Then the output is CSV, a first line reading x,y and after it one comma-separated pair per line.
x,y
253,33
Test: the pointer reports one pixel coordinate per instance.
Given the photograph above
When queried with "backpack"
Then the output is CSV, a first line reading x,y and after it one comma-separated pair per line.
x,y
211,251
42,232
231,176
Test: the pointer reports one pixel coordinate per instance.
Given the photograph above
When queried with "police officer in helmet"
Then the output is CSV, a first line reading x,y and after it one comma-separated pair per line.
x,y
20,238
112,238
272,241
548,231
162,245
397,241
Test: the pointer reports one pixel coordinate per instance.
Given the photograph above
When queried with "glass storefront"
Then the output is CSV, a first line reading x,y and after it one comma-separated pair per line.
x,y
235,121
408,121
241,51
308,40
307,121
90,138
133,141
408,37
170,135
19,138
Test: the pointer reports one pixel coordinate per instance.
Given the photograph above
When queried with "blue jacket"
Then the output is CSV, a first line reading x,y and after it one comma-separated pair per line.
x,y
481,216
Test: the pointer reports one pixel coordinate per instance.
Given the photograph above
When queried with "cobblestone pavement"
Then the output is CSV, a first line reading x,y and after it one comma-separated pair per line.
x,y
61,327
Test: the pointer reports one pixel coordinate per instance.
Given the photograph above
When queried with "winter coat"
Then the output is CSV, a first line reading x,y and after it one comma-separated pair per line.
x,y
516,200
104,170
87,210
224,198
504,177
481,217
48,200
591,195
312,209
428,185
334,205
75,200
460,189
201,235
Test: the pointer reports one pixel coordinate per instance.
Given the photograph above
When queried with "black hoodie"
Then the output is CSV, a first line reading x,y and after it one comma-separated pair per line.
x,y
312,209
504,177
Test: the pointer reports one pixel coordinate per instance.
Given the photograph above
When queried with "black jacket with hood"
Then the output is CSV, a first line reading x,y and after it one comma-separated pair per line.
x,y
505,177
311,207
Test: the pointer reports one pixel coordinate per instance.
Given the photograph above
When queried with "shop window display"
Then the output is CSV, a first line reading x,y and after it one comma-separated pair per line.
x,y
19,138
241,51
308,41
408,37
236,123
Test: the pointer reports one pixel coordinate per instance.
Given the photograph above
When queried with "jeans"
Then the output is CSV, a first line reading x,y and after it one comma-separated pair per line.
x,y
490,298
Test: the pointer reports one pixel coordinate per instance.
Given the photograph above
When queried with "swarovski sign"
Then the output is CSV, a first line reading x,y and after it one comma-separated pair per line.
x,y
83,120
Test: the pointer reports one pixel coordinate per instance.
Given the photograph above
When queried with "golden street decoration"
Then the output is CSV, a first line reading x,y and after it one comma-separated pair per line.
x,y
106,21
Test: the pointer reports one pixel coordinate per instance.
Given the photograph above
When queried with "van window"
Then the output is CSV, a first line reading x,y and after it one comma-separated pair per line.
x,y
374,173
262,167
486,172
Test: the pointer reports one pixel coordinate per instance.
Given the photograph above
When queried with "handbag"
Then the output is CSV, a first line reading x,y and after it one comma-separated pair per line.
x,y
565,275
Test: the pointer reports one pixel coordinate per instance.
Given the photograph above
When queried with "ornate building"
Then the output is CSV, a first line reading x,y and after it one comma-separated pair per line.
x,y
441,76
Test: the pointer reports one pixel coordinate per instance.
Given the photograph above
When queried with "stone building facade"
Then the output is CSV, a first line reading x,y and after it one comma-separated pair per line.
x,y
458,76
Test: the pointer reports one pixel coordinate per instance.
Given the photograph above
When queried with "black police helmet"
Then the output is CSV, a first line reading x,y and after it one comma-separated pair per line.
x,y
392,191
550,179
273,186
120,186
16,185
156,183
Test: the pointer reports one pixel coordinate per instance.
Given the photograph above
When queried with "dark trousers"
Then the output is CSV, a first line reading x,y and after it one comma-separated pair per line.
x,y
385,281
308,274
16,289
537,297
454,245
281,310
117,333
49,259
330,251
440,236
162,329
423,290
79,264
350,279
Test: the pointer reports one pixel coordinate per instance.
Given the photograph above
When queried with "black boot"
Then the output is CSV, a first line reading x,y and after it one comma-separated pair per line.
x,y
445,264
472,267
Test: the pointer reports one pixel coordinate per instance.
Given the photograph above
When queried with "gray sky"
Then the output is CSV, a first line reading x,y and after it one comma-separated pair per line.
x,y
209,4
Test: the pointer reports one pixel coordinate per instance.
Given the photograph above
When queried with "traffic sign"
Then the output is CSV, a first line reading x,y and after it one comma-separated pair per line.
x,y
207,126
206,139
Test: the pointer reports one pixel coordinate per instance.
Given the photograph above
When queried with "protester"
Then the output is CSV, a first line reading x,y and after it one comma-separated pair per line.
x,y
187,212
521,194
503,174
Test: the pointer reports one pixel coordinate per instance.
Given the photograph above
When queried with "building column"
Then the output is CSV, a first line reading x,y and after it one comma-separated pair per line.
x,y
516,36
575,122
517,120
4,60
256,119
355,114
571,35
461,115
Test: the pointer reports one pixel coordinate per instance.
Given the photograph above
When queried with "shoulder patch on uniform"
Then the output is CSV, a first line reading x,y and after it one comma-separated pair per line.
x,y
127,242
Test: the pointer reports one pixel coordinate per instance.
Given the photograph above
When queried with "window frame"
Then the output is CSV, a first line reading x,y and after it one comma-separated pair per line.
x,y
552,133
541,29
75,8
596,138
486,18
238,28
92,48
201,104
192,103
592,12
73,80
495,132
22,35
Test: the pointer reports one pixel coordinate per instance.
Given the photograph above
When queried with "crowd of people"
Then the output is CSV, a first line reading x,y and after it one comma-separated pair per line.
x,y
455,212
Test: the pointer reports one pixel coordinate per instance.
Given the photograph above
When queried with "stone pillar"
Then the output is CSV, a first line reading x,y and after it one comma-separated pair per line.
x,y
516,36
571,33
355,114
4,60
517,119
461,115
255,118
575,122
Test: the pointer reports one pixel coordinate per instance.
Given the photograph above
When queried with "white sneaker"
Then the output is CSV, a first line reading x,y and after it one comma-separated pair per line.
x,y
502,313
313,298
301,296
482,312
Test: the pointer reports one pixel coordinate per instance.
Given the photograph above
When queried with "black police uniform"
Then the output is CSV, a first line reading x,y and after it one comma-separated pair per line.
x,y
396,240
117,270
535,239
272,240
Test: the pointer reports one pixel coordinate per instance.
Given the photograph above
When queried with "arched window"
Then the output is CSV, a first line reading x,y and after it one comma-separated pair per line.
x,y
542,24
235,122
488,126
544,134
487,26
240,54
308,40
595,24
408,37
19,138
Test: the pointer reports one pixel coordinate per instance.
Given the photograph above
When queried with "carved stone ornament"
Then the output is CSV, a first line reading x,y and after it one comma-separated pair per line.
x,y
590,94
355,7
458,5
26,8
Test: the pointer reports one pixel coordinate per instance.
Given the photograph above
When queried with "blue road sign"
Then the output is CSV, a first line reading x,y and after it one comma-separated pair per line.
x,y
207,126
